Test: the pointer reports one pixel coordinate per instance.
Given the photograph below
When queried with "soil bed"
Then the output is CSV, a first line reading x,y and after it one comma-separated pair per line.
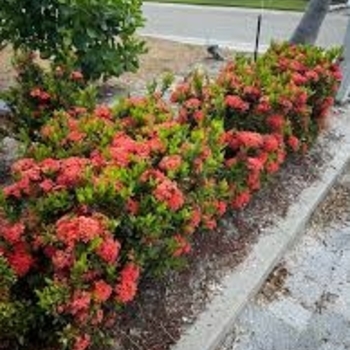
x,y
162,56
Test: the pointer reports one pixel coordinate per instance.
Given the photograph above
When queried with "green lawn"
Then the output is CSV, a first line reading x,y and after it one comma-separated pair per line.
x,y
295,5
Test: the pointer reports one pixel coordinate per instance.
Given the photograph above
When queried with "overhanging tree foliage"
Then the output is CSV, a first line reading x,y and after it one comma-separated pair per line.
x,y
99,33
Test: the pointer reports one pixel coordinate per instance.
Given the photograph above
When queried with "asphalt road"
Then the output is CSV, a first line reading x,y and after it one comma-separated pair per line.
x,y
232,27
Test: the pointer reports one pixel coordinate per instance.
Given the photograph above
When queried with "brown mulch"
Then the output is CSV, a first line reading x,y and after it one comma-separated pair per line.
x,y
162,56
6,71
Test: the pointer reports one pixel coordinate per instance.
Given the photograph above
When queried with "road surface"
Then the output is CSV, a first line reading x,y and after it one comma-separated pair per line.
x,y
232,27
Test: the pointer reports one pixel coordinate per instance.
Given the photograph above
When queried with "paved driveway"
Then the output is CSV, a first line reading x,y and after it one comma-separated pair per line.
x,y
231,27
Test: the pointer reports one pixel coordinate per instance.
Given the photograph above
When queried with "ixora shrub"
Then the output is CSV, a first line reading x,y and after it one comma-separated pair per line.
x,y
39,92
99,33
108,195
103,197
288,91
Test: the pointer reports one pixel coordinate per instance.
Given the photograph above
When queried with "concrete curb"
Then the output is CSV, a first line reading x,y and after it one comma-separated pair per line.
x,y
214,324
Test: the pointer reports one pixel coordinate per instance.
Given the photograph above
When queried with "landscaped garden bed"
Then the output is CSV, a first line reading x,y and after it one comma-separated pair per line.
x,y
107,199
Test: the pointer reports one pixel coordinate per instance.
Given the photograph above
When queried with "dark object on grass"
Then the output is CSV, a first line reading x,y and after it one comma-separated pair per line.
x,y
214,51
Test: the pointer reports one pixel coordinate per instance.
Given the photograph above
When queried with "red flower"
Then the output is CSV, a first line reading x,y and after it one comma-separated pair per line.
x,y
20,260
75,112
23,165
210,224
47,185
97,159
72,170
109,250
254,181
263,157
180,93
98,318
328,102
285,103
155,145
198,116
82,342
61,259
337,74
12,233
127,287
81,228
221,207
103,112
170,163
252,92
281,156
241,200
102,291
47,131
132,206
272,167
235,102
301,99
298,79
75,136
182,246
229,163
271,143
293,143
296,66
120,156
168,192
264,105
195,217
276,122
152,174
312,75
80,303
250,139
193,103
254,164
40,94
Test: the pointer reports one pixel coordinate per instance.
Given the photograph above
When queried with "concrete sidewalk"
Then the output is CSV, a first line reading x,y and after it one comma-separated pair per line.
x,y
306,303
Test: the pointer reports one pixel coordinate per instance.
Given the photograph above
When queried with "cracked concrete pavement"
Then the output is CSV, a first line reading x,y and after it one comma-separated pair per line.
x,y
305,304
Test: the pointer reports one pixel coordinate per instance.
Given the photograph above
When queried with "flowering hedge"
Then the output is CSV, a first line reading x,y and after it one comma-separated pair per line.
x,y
106,195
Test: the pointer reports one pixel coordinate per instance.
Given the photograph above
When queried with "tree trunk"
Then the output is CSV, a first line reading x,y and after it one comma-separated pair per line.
x,y
310,24
344,89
